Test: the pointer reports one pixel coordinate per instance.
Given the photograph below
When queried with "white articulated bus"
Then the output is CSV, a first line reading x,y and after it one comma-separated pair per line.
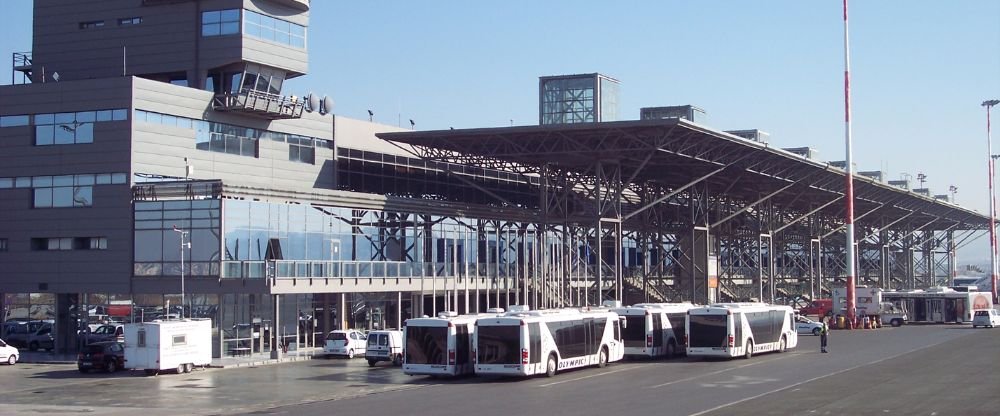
x,y
740,329
524,343
440,346
654,329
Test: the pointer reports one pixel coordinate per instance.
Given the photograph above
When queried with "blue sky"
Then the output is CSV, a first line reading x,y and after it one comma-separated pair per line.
x,y
920,70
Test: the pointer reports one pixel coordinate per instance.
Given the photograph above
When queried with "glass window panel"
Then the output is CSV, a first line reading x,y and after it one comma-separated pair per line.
x,y
6,183
267,33
211,17
119,114
84,179
62,180
169,120
44,119
252,30
211,29
298,42
252,17
85,116
44,135
103,179
83,196
11,121
62,196
156,118
231,15
42,197
248,147
64,134
218,143
85,133
149,245
297,30
66,243
230,28
103,115
118,178
281,25
232,144
22,182
281,37
41,181
65,117
139,115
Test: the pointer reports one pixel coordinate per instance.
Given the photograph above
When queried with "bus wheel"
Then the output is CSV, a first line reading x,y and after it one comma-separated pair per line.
x,y
749,353
671,349
602,358
896,323
551,365
781,344
371,363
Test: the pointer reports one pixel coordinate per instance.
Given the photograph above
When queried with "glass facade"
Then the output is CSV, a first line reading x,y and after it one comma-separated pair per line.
x,y
609,99
567,100
585,98
220,22
158,246
237,140
276,30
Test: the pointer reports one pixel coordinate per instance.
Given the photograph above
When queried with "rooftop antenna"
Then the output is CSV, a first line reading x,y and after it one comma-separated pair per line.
x,y
371,115
921,178
412,124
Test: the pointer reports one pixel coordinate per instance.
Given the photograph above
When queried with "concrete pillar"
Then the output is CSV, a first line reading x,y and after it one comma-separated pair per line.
x,y
275,337
343,311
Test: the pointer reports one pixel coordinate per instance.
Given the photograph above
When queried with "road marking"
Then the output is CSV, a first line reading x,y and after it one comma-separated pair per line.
x,y
814,379
592,375
713,373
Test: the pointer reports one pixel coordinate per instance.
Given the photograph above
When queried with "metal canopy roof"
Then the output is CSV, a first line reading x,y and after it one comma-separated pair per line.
x,y
673,153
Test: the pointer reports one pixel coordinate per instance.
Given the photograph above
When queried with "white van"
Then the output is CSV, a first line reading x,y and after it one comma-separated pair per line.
x,y
385,346
987,318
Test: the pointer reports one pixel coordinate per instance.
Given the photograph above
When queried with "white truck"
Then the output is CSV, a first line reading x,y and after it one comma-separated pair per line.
x,y
168,345
869,302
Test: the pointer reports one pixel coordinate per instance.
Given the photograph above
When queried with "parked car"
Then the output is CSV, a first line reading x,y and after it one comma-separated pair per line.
x,y
347,343
805,325
42,339
107,332
8,353
384,346
108,356
988,318
818,307
17,332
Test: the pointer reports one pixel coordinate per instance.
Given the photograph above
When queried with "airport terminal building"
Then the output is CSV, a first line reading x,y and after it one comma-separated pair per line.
x,y
150,158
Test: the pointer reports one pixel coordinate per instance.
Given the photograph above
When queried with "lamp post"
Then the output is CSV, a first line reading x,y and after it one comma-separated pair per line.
x,y
183,246
993,232
849,189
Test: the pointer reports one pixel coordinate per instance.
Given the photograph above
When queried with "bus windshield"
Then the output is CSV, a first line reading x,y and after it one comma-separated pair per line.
x,y
499,344
426,345
708,331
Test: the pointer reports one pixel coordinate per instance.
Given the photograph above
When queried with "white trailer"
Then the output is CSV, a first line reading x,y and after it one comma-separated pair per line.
x,y
168,345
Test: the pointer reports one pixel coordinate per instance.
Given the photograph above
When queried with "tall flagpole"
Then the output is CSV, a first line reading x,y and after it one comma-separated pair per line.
x,y
849,193
993,213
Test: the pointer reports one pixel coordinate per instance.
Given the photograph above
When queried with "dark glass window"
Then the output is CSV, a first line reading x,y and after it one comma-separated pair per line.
x,y
3,244
635,331
129,21
498,344
708,331
220,22
426,345
92,24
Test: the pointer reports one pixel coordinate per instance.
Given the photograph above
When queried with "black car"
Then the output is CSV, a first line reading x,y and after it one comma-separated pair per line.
x,y
108,356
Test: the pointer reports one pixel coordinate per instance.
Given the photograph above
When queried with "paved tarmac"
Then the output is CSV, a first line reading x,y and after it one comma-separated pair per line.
x,y
913,370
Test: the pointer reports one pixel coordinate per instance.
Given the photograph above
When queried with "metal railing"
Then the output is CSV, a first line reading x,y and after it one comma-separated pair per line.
x,y
267,105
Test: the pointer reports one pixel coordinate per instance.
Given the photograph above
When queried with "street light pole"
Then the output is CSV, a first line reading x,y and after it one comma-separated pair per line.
x,y
993,213
183,246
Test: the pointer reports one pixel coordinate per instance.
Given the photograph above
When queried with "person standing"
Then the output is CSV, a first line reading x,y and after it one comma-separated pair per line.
x,y
822,336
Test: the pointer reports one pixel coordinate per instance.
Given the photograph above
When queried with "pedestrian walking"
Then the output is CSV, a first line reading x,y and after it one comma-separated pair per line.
x,y
822,337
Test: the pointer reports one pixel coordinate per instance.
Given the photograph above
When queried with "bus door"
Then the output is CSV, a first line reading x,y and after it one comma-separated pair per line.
x,y
935,310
